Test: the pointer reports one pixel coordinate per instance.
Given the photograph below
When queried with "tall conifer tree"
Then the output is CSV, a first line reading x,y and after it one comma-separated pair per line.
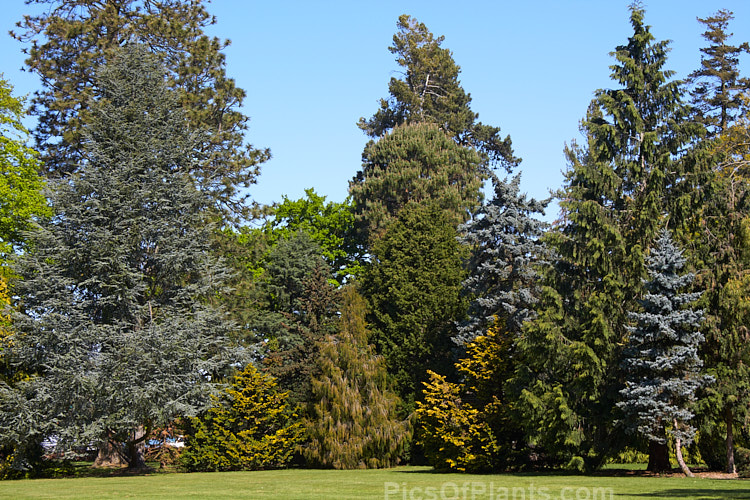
x,y
661,360
114,326
352,422
721,96
70,39
617,189
430,92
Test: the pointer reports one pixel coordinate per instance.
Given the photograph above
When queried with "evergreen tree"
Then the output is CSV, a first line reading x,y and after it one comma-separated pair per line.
x,y
70,39
723,250
21,197
473,425
114,326
633,169
661,360
717,86
505,243
249,426
413,286
430,92
352,422
414,163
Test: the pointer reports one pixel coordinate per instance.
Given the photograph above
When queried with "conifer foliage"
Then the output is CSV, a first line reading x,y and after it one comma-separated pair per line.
x,y
661,360
353,422
71,38
249,426
505,242
430,92
114,326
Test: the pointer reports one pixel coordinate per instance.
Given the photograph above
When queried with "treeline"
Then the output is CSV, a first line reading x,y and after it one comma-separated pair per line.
x,y
147,298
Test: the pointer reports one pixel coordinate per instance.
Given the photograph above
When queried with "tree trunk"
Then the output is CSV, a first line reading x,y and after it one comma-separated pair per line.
x,y
658,457
729,416
678,452
110,454
136,449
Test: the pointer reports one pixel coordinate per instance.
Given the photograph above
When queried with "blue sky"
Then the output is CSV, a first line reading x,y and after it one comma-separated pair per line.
x,y
311,69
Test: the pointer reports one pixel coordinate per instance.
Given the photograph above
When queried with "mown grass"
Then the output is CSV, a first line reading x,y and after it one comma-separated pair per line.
x,y
395,484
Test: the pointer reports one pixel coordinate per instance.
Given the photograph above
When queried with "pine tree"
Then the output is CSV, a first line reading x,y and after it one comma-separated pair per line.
x,y
661,360
414,163
505,243
114,326
430,92
717,86
70,39
634,168
352,422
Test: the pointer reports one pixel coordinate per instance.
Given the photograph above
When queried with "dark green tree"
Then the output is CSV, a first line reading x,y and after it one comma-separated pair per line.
x,y
720,96
430,92
505,242
298,308
70,39
114,328
661,360
717,88
413,286
634,169
723,251
352,422
414,163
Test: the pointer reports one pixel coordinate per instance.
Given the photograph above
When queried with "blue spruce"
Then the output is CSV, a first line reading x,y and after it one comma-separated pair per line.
x,y
661,359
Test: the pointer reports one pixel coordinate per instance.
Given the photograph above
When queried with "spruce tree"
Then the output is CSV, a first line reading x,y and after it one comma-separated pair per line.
x,y
430,92
114,326
633,169
70,39
661,362
505,243
352,422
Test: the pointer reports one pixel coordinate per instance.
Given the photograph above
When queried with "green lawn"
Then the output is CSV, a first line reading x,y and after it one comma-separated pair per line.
x,y
412,483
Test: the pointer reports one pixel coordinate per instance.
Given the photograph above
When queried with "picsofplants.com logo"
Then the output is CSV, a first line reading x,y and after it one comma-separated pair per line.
x,y
480,490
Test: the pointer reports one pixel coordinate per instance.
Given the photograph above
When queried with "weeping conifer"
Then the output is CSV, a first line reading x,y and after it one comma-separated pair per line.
x,y
353,424
633,169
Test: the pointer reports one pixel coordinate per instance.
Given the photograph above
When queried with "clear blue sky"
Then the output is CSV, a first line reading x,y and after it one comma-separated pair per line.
x,y
311,69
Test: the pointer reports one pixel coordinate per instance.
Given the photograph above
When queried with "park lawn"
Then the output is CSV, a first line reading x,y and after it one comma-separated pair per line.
x,y
416,483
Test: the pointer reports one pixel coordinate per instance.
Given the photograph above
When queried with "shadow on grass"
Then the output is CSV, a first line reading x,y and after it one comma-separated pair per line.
x,y
699,493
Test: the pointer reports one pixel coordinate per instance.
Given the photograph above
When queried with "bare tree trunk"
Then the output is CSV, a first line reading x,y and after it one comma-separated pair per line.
x,y
137,449
729,417
678,452
110,453
658,457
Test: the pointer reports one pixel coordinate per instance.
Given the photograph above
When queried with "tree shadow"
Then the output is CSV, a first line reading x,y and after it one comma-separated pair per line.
x,y
698,493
